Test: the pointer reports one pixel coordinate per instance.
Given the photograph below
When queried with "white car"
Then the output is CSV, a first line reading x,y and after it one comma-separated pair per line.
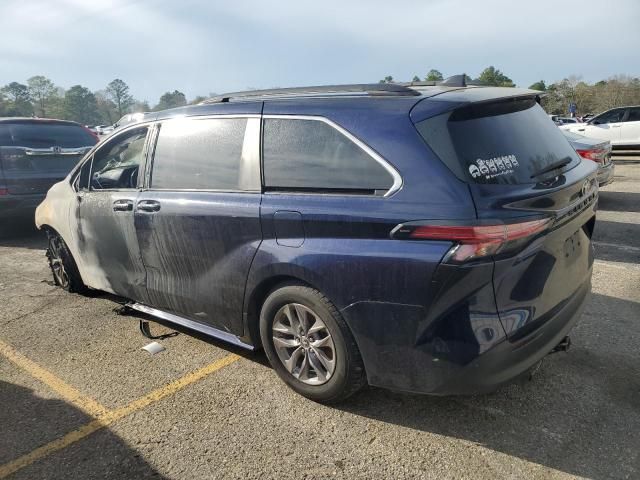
x,y
621,126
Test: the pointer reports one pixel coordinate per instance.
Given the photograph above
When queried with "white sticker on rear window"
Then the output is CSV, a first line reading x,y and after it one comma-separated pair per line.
x,y
493,167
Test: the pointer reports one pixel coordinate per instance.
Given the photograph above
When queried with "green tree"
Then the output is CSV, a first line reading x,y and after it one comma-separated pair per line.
x,y
197,100
140,106
118,92
80,105
18,101
434,75
416,78
539,86
494,77
387,79
3,105
107,110
171,100
41,89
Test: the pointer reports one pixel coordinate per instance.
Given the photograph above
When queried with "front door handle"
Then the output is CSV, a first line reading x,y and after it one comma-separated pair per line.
x,y
123,205
149,206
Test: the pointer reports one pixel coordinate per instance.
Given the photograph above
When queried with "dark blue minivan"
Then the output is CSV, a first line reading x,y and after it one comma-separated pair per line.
x,y
432,239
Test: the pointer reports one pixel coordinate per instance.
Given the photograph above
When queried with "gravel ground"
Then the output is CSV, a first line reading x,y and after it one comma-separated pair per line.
x,y
580,416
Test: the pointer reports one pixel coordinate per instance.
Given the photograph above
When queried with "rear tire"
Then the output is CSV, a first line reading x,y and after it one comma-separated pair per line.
x,y
63,266
309,344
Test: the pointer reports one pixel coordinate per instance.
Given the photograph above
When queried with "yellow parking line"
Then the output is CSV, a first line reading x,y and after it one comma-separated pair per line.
x,y
66,391
109,417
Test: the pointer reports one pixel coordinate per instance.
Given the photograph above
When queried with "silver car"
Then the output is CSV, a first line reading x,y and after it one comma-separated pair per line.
x,y
595,150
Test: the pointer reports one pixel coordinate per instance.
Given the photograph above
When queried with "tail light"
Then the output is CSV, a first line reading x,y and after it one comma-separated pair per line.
x,y
4,191
595,154
473,242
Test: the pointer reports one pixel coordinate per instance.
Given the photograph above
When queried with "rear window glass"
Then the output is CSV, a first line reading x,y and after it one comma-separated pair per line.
x,y
45,135
312,155
507,142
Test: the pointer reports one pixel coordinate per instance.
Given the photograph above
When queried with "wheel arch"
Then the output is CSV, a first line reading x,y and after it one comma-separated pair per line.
x,y
256,297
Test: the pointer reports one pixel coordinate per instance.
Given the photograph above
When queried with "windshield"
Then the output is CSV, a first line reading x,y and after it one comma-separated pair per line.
x,y
505,142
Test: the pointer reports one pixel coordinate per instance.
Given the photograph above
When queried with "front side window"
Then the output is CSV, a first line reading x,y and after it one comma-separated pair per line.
x,y
117,164
314,156
200,154
82,177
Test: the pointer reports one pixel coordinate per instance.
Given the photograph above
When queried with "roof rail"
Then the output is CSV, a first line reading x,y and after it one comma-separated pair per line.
x,y
372,89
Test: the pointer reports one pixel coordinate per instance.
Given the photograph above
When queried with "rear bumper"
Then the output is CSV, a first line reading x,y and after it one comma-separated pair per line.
x,y
605,174
12,206
454,361
510,359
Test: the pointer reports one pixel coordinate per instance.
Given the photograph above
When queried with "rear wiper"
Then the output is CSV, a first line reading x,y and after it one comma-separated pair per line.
x,y
553,166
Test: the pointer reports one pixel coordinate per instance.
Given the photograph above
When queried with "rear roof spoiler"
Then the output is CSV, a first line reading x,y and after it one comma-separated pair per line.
x,y
451,99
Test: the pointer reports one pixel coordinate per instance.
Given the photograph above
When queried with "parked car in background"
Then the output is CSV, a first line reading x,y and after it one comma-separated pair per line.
x,y
559,120
428,239
35,153
621,126
597,151
105,129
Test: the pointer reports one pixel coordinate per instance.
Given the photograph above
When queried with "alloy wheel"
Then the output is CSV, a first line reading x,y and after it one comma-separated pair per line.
x,y
303,344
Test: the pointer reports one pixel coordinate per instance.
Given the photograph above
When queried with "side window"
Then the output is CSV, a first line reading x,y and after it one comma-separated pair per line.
x,y
612,116
312,155
201,154
117,164
634,115
82,177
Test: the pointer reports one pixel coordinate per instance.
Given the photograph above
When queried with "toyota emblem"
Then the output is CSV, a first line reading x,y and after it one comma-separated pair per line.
x,y
585,188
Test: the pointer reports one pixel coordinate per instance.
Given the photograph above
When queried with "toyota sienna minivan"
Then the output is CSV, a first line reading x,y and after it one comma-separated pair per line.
x,y
431,239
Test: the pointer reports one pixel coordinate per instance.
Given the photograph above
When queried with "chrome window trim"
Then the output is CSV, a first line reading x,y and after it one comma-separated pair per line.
x,y
249,158
395,175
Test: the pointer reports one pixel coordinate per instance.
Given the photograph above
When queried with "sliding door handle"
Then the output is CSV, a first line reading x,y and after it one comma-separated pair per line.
x,y
148,206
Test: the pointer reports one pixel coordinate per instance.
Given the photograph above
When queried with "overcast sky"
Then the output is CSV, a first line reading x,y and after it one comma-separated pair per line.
x,y
200,46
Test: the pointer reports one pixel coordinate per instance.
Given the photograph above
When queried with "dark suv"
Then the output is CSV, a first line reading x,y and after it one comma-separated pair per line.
x,y
35,153
425,239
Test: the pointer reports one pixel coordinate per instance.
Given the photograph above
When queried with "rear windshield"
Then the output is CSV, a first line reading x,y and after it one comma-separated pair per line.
x,y
44,135
506,142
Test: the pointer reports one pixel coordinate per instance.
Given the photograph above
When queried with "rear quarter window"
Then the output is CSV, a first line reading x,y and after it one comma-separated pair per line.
x,y
506,142
311,155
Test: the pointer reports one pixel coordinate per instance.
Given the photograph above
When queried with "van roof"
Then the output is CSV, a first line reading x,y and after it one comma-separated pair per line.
x,y
408,94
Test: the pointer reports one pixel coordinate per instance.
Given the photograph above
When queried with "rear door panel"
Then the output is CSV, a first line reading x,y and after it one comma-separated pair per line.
x,y
197,250
197,247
